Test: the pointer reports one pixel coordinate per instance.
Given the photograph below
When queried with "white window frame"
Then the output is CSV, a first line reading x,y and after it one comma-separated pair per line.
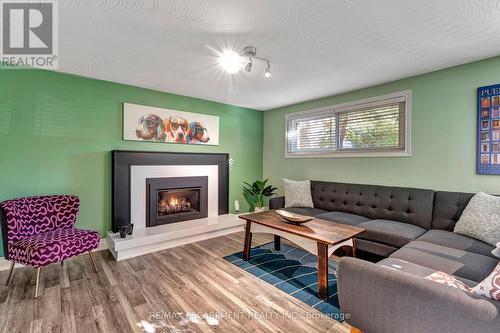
x,y
343,107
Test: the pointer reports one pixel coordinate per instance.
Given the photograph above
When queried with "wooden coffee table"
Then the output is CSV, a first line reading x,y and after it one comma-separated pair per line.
x,y
318,237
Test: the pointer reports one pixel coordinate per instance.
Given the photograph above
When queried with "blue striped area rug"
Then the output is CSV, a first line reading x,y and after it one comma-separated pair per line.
x,y
292,270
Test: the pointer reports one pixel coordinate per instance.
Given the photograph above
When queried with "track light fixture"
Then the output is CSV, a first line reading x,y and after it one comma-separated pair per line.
x,y
232,62
251,53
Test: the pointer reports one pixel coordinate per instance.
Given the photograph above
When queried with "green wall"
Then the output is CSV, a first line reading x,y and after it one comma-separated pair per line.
x,y
57,131
443,136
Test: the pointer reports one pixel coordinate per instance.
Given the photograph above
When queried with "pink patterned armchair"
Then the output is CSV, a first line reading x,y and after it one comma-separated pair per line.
x,y
38,231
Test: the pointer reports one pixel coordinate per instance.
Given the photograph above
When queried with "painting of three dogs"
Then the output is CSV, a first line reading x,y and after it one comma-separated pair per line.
x,y
168,126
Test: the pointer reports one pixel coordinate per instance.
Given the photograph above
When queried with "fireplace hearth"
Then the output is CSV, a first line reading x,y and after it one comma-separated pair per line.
x,y
175,199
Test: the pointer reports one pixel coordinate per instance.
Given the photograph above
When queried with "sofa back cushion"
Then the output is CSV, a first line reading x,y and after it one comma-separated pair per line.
x,y
409,205
448,207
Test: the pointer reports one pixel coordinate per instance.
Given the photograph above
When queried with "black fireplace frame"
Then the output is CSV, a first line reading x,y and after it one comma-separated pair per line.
x,y
122,160
177,183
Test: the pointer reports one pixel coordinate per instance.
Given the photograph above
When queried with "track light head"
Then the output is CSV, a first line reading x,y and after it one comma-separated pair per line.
x,y
268,70
250,51
248,67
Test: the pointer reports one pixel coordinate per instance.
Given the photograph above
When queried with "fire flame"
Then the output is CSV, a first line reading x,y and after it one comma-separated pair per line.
x,y
174,205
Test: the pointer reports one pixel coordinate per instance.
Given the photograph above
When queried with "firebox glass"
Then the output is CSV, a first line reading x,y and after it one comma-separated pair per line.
x,y
178,201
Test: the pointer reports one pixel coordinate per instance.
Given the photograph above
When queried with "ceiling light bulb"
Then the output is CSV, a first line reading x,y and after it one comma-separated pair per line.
x,y
248,67
230,61
268,70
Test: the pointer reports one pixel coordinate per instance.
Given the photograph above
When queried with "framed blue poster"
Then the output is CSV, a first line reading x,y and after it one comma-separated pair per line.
x,y
488,130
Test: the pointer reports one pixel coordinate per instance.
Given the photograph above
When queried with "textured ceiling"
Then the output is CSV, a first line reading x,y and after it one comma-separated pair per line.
x,y
317,47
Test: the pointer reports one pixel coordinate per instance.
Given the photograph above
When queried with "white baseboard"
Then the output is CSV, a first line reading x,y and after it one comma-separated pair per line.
x,y
5,264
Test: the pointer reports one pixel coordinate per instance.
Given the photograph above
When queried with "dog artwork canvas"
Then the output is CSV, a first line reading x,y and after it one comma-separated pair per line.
x,y
153,124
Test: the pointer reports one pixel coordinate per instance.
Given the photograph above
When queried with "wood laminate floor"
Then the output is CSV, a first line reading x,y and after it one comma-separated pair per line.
x,y
184,289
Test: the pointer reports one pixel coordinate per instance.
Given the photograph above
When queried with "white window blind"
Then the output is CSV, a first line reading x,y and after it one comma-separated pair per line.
x,y
316,133
375,126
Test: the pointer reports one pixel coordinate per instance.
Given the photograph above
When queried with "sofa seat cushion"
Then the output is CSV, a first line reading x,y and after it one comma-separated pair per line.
x,y
468,265
391,233
457,241
376,248
417,270
345,218
305,211
53,246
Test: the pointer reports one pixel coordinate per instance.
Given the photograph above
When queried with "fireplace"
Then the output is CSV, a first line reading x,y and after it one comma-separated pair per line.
x,y
175,199
132,168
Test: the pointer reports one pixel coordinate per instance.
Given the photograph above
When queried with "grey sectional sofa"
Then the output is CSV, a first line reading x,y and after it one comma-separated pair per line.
x,y
411,230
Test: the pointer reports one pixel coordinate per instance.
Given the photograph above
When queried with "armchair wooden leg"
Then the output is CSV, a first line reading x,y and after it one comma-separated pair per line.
x,y
93,260
11,272
37,281
356,330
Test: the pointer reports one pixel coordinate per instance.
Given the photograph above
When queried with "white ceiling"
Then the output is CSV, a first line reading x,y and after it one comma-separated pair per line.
x,y
317,47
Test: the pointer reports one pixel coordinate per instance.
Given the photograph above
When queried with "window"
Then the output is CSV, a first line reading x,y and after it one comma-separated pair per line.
x,y
377,126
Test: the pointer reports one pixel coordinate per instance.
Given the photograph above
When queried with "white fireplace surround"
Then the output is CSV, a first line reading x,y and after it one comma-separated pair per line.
x,y
139,174
149,239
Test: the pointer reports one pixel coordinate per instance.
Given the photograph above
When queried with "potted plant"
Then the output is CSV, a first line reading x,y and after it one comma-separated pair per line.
x,y
256,193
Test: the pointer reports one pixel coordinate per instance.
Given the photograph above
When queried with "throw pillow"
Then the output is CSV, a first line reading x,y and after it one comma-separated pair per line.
x,y
481,219
490,287
496,252
446,279
297,193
